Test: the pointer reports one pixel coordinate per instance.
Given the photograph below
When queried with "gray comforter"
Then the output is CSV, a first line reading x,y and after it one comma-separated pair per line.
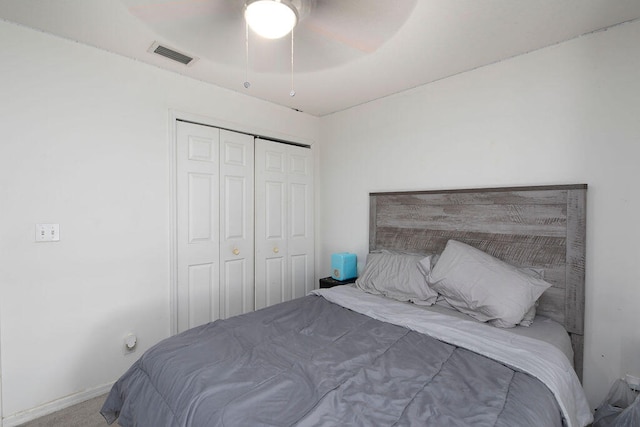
x,y
312,362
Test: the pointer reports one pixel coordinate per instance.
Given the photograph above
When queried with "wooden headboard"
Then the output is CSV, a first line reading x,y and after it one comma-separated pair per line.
x,y
541,227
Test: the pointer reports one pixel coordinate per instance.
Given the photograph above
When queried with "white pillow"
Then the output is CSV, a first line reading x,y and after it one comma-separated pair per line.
x,y
399,276
484,287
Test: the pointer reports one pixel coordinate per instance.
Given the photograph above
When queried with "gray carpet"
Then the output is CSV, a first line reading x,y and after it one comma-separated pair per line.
x,y
85,414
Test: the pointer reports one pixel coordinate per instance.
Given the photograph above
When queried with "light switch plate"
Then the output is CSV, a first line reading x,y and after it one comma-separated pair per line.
x,y
47,232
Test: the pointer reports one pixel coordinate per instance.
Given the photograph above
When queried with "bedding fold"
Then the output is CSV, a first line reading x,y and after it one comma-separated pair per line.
x,y
537,358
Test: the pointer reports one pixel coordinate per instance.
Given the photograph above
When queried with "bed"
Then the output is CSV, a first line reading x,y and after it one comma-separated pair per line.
x,y
358,355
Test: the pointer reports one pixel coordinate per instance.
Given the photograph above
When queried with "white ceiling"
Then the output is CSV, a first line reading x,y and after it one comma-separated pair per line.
x,y
347,52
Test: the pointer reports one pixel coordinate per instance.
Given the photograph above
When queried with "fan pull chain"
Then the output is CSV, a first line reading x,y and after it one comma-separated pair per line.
x,y
246,56
293,92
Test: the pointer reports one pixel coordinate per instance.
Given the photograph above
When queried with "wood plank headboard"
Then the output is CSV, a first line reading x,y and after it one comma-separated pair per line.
x,y
542,227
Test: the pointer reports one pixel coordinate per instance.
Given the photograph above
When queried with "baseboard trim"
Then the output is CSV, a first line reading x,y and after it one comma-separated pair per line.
x,y
51,407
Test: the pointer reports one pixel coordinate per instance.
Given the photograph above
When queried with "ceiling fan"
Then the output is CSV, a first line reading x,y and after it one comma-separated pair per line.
x,y
328,33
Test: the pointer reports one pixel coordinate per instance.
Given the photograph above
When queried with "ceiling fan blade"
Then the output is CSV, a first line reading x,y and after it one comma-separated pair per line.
x,y
158,11
364,25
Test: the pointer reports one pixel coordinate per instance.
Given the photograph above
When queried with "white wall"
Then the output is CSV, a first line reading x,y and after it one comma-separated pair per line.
x,y
566,114
84,143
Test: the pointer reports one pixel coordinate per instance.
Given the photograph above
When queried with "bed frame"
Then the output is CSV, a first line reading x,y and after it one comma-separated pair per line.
x,y
541,227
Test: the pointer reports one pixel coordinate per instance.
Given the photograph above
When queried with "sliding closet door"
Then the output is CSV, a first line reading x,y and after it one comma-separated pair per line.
x,y
284,222
198,219
236,236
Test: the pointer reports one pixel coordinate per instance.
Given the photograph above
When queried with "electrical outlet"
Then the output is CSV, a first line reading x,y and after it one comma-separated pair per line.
x,y
130,343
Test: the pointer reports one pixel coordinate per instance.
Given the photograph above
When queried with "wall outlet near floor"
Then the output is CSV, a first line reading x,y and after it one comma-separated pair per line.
x,y
130,343
634,382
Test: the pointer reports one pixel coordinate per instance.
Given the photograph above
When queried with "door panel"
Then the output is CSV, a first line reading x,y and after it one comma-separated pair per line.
x,y
301,232
237,207
273,158
201,192
215,247
300,162
299,273
298,218
284,222
235,287
274,212
197,234
271,220
274,276
202,302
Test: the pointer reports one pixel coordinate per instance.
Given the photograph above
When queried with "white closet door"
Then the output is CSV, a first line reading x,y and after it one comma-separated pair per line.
x,y
198,241
237,228
215,224
284,222
271,223
300,227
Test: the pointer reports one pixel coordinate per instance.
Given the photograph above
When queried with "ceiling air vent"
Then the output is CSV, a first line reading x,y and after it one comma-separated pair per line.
x,y
172,54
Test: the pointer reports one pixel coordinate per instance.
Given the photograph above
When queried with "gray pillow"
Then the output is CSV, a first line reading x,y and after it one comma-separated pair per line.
x,y
484,287
527,320
399,276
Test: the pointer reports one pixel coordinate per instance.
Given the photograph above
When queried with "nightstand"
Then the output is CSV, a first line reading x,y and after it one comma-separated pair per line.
x,y
329,282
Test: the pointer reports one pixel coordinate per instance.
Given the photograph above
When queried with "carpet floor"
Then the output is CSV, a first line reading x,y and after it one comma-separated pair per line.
x,y
85,414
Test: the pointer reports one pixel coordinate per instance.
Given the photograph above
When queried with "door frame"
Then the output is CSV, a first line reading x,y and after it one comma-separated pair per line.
x,y
174,117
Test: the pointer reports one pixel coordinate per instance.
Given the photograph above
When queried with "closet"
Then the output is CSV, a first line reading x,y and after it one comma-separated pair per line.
x,y
243,223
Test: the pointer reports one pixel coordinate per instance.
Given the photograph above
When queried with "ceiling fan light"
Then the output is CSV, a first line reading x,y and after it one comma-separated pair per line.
x,y
271,19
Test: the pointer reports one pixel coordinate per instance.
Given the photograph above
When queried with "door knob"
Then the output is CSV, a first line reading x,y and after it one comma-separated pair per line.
x,y
276,250
236,251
